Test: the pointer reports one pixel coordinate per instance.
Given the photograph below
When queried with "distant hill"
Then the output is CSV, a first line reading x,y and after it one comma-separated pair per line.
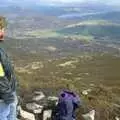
x,y
109,15
51,8
98,28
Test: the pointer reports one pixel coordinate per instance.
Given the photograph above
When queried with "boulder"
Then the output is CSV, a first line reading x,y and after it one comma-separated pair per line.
x,y
85,92
47,114
89,116
53,99
37,111
34,107
26,115
38,96
117,118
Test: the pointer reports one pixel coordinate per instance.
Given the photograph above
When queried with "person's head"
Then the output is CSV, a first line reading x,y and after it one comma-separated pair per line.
x,y
2,27
1,35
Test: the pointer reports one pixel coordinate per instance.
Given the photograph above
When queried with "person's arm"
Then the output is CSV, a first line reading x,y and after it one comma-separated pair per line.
x,y
9,71
8,82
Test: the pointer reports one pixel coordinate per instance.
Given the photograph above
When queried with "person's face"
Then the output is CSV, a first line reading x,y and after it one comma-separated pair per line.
x,y
1,34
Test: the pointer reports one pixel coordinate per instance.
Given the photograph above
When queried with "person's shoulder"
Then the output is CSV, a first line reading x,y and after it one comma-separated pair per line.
x,y
2,50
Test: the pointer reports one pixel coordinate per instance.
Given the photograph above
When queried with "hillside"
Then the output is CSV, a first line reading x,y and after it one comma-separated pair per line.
x,y
83,73
112,16
83,50
97,28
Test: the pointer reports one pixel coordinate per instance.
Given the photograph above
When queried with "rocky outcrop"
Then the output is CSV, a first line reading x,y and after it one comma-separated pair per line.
x,y
117,118
40,107
38,95
89,116
35,108
26,115
47,114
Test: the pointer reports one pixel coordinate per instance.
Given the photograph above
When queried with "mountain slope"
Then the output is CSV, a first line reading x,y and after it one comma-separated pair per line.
x,y
109,15
98,28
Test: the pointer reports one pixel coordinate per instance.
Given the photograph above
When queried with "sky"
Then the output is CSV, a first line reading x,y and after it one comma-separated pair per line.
x,y
108,2
67,1
111,2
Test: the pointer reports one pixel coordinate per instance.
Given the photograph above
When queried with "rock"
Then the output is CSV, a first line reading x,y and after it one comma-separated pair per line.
x,y
85,92
36,65
47,114
26,115
116,105
92,85
86,73
37,111
68,63
51,48
38,96
33,106
117,118
53,98
89,116
38,93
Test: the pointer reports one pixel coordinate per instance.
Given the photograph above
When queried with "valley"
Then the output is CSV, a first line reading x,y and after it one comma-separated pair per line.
x,y
50,50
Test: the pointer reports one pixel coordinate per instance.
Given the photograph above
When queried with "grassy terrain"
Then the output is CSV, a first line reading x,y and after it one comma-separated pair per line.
x,y
85,31
88,69
98,73
50,59
54,34
43,33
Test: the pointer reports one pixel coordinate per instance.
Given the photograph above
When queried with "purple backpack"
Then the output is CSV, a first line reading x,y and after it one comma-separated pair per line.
x,y
68,102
